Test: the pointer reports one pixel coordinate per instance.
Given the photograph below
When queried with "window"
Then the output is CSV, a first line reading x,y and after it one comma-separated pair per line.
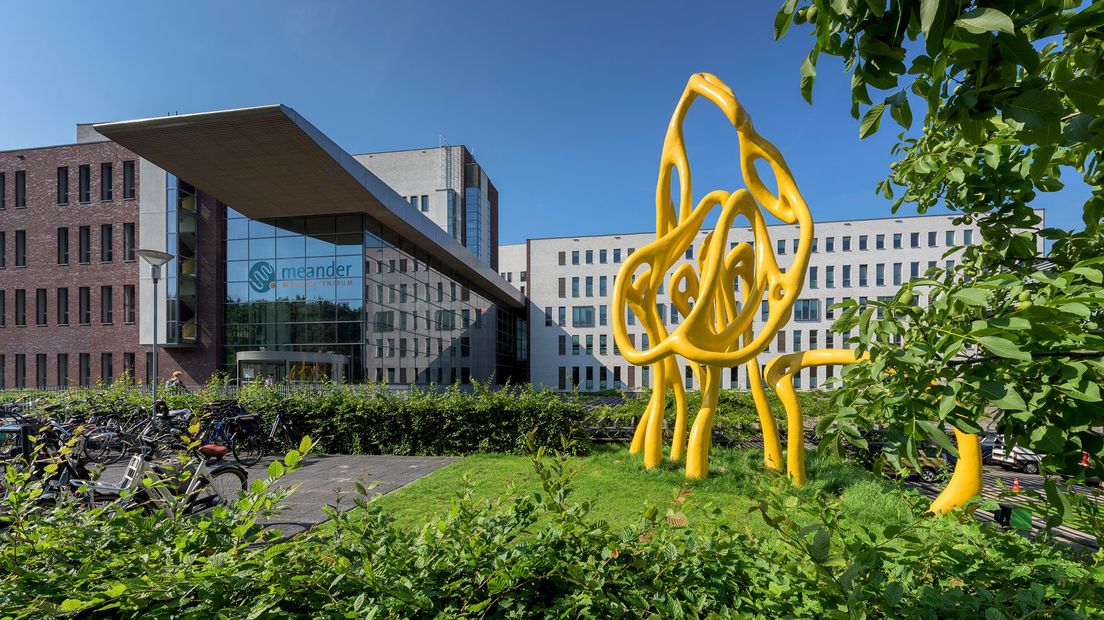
x,y
128,180
63,185
40,306
590,286
879,242
603,318
84,306
781,341
563,316
84,183
563,258
813,277
896,274
764,310
879,274
107,372
690,252
968,237
575,257
107,249
20,248
617,255
806,310
63,369
796,340
862,275
914,270
829,244
847,276
3,308
106,305
20,370
830,276
128,304
589,345
425,203
548,321
795,245
602,256
829,312
582,316
914,240
590,257
3,250
20,189
950,238
20,307
575,348
128,242
846,243
563,345
84,369
3,205
63,245
896,241
575,286
40,370
105,182
781,247
63,306
562,288
862,242
931,239
814,245
84,251
602,290
128,364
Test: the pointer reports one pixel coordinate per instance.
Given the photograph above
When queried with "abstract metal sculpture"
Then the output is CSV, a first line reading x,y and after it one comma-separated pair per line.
x,y
716,330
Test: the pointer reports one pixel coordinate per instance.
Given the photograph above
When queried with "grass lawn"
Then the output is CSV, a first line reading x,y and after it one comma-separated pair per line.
x,y
619,488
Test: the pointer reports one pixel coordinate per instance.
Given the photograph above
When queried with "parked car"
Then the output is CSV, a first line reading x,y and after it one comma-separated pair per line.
x,y
1018,458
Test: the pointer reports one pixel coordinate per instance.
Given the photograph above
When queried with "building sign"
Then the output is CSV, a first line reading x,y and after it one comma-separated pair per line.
x,y
263,276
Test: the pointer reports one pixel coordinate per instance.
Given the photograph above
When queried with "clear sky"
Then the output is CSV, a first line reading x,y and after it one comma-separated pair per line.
x,y
564,103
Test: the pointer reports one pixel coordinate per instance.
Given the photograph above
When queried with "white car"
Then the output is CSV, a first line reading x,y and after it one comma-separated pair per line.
x,y
1017,458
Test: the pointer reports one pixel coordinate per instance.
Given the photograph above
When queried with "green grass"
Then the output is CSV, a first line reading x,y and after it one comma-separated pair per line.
x,y
619,489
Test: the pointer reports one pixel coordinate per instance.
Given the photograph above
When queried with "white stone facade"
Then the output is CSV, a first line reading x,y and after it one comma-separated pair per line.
x,y
568,280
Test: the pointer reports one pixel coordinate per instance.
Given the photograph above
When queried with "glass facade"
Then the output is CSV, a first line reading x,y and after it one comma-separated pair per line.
x,y
180,273
348,285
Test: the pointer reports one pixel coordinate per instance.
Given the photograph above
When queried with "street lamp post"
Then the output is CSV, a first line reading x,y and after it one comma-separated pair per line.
x,y
156,259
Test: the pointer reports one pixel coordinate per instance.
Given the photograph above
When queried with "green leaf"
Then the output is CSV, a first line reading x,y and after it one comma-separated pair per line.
x,y
972,296
938,436
1086,93
808,75
1004,348
275,469
70,604
1039,113
928,11
1018,50
1047,439
871,120
305,444
1057,499
978,21
1002,395
901,111
783,19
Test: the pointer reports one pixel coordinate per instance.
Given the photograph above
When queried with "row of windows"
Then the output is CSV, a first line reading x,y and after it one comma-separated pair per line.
x,y
84,184
584,287
84,245
425,376
813,280
589,378
603,256
402,347
419,202
880,241
61,306
61,369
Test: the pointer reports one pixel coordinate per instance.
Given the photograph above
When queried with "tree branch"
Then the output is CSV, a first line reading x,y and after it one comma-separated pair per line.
x,y
1069,354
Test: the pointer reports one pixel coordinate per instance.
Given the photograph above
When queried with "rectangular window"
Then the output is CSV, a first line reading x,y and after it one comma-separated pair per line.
x,y
107,370
575,257
20,370
590,286
813,278
63,185
847,243
830,276
128,242
63,306
84,183
764,310
84,369
814,245
563,258
582,316
617,255
950,238
781,247
40,370
3,308
575,286
63,245
105,181
806,310
40,306
128,304
590,257
3,250
603,313
425,203
847,276
128,364
914,270
128,180
796,340
879,242
84,305
20,248
84,250
781,341
575,347
896,274
63,369
20,307
968,237
106,305
879,274
829,244
20,189
563,316
690,252
589,344
3,205
602,256
862,275
548,321
829,312
563,378
897,241
931,239
107,245
563,345
602,290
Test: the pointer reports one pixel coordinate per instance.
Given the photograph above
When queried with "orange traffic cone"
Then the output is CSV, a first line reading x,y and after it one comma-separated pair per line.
x,y
1016,485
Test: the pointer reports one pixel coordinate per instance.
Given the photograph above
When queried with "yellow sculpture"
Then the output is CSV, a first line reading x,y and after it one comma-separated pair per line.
x,y
716,330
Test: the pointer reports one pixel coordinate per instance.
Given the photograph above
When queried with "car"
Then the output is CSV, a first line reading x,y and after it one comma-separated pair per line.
x,y
1018,458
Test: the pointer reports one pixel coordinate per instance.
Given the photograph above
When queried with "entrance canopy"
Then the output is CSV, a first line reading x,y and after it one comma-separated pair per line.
x,y
270,162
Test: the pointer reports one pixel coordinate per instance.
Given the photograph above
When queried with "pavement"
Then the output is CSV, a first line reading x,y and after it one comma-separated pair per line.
x,y
328,480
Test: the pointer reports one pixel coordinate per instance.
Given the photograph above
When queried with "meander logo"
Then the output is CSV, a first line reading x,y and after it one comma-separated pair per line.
x,y
262,276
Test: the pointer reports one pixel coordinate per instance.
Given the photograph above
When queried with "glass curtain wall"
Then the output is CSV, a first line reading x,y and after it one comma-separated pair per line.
x,y
180,273
348,285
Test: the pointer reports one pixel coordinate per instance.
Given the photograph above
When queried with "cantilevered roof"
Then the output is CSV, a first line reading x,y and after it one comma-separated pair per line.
x,y
270,162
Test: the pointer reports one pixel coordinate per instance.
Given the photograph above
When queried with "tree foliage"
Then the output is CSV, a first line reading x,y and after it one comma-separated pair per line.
x,y
1013,97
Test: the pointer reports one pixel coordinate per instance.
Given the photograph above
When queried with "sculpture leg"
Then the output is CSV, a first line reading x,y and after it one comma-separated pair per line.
x,y
772,446
701,435
795,432
678,434
966,481
653,432
637,445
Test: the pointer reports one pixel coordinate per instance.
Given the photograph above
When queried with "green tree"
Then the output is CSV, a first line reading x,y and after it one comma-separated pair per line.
x,y
1012,96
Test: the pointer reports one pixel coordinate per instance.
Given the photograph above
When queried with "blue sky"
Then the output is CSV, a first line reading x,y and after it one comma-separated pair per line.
x,y
565,104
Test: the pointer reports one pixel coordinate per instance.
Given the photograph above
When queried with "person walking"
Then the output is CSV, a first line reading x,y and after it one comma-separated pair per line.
x,y
175,383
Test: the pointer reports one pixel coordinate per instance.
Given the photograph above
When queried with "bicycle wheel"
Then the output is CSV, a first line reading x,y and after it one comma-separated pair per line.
x,y
218,487
248,449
